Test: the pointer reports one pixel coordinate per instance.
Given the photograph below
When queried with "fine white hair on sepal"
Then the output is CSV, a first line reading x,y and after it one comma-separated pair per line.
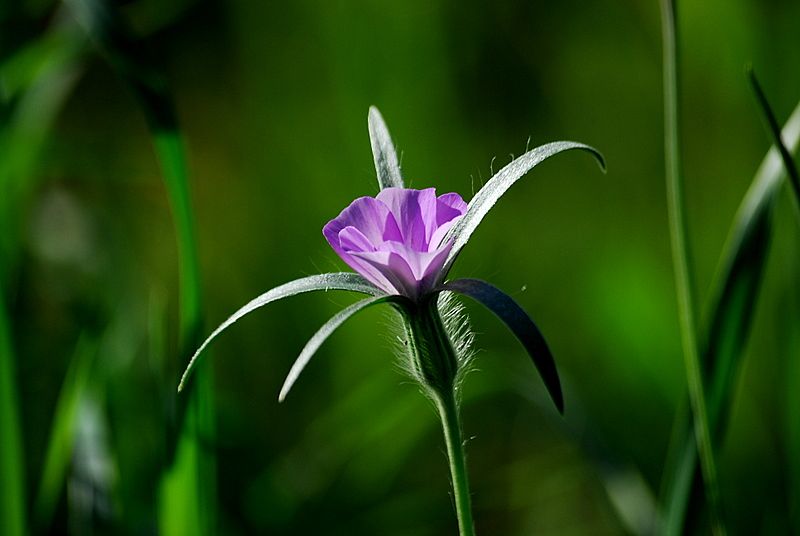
x,y
398,340
459,330
405,362
457,326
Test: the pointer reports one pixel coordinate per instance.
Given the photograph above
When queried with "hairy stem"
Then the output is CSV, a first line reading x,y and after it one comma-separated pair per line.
x,y
436,366
451,425
680,256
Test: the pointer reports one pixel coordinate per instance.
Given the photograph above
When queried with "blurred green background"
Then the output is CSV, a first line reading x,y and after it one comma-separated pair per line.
x,y
272,100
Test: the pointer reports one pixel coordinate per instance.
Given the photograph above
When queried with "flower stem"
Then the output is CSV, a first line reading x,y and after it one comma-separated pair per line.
x,y
451,425
680,256
435,365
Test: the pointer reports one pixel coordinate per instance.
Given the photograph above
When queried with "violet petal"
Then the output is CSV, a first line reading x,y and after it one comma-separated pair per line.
x,y
414,211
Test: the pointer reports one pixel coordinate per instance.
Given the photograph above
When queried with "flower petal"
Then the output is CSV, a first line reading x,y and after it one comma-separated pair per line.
x,y
391,230
433,270
394,268
414,212
366,214
394,240
351,239
448,207
440,233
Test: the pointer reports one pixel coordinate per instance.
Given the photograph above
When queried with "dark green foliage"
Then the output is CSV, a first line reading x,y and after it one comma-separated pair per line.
x,y
737,287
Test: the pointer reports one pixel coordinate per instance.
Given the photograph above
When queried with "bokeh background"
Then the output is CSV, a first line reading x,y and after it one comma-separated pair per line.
x,y
272,100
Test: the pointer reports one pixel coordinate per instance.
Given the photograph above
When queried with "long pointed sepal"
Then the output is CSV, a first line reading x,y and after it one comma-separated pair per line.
x,y
493,190
323,282
518,321
386,164
323,333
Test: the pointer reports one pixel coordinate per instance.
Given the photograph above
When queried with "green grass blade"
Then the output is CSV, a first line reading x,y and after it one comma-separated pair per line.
x,y
35,81
736,288
523,327
324,282
188,496
12,461
37,59
775,132
40,86
681,263
324,332
792,396
493,190
62,431
387,166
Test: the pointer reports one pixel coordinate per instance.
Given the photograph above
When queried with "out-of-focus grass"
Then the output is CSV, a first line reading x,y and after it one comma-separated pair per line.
x,y
12,462
34,82
188,487
736,292
62,433
271,99
682,267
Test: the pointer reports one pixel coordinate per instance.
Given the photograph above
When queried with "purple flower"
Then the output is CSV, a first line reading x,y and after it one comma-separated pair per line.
x,y
395,240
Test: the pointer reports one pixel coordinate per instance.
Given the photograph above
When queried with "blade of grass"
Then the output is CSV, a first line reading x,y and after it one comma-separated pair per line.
x,y
35,82
40,57
736,288
188,487
775,132
12,461
62,431
681,263
40,88
792,393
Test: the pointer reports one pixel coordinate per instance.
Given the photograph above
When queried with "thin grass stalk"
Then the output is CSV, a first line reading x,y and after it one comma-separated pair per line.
x,y
12,461
61,442
681,262
187,494
193,471
775,130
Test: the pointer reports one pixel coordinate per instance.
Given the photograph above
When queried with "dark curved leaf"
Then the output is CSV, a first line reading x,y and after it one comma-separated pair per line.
x,y
518,321
494,189
324,332
386,165
335,281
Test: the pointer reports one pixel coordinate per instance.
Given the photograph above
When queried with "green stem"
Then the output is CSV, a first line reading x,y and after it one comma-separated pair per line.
x,y
435,365
680,256
189,485
451,425
12,474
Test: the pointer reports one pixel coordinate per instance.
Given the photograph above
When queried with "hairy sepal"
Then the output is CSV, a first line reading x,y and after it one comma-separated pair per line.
x,y
326,331
387,167
335,281
493,190
518,321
